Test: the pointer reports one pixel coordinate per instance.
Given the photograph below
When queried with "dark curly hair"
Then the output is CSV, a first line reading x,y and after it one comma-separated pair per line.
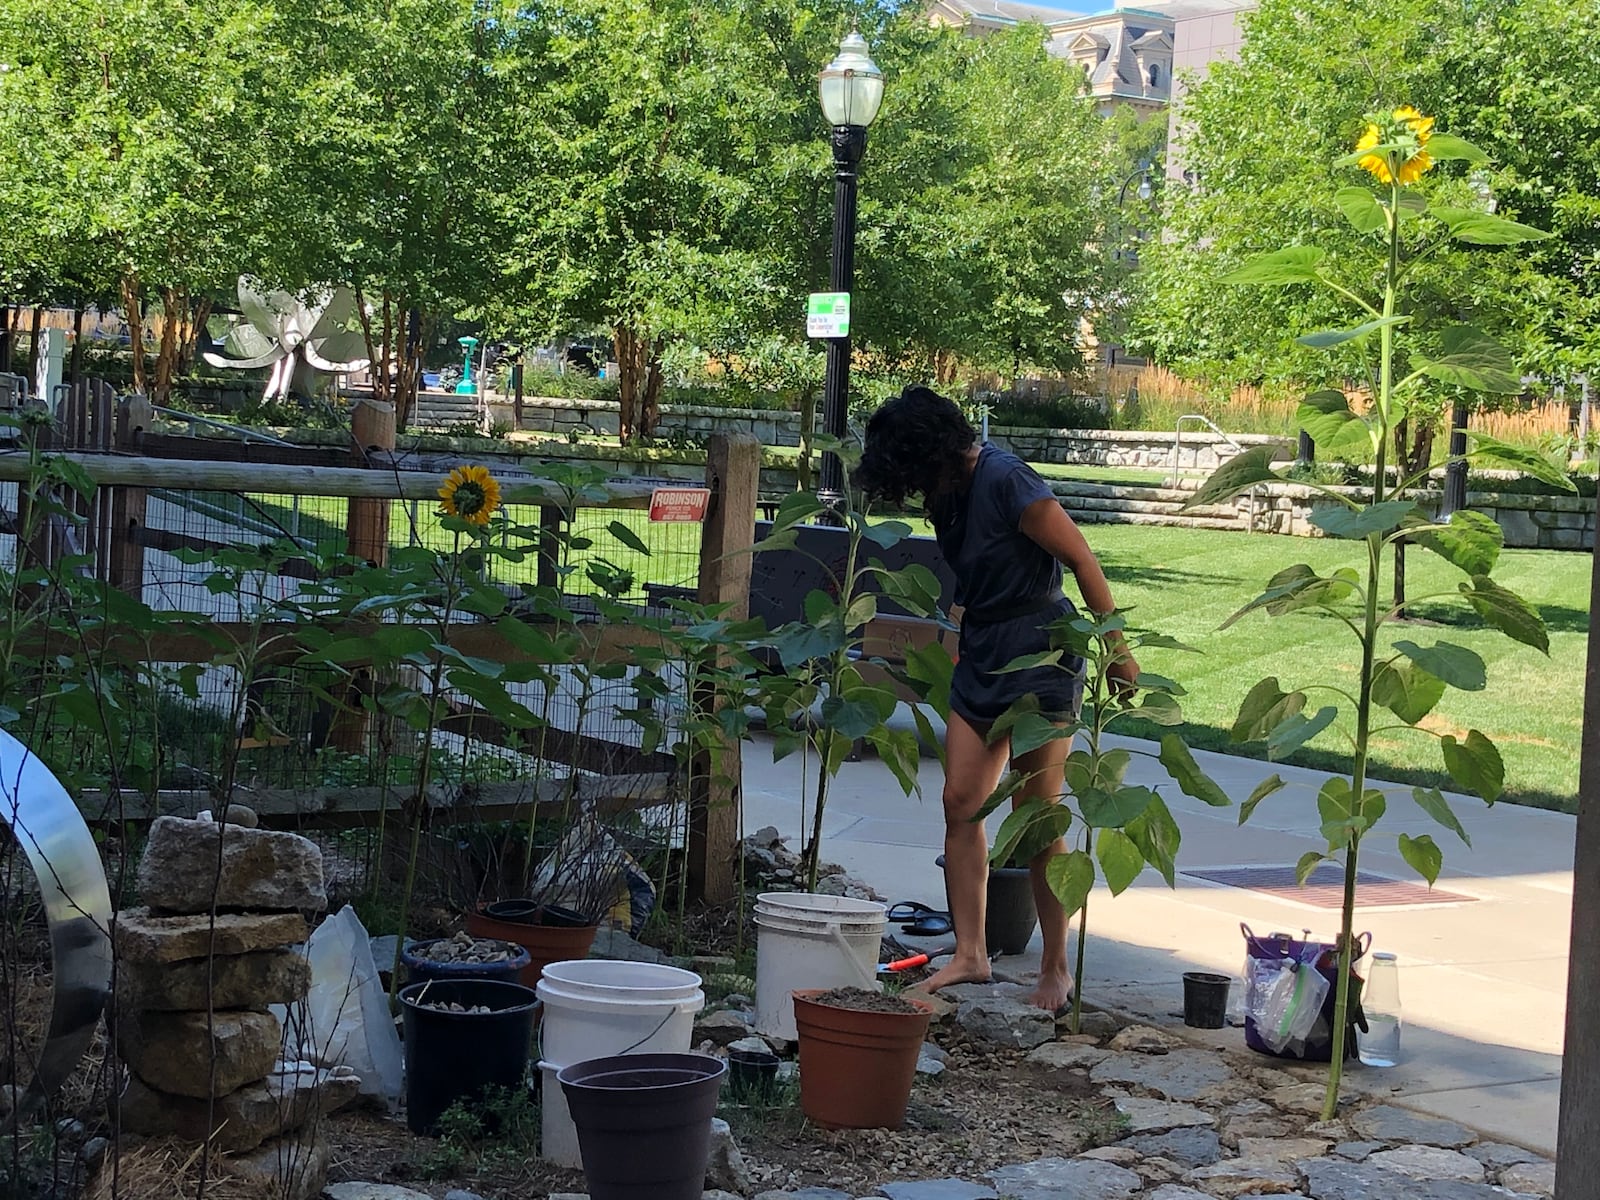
x,y
914,446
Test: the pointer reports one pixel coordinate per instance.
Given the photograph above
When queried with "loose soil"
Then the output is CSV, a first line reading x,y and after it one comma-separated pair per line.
x,y
861,1000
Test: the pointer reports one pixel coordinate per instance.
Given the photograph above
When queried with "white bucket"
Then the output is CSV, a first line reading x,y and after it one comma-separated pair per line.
x,y
807,941
594,1008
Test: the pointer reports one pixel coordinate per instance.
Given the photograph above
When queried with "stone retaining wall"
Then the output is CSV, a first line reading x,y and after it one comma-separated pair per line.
x,y
1528,522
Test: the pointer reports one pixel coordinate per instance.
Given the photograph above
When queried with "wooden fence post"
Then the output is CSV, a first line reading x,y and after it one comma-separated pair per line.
x,y
371,428
126,572
733,469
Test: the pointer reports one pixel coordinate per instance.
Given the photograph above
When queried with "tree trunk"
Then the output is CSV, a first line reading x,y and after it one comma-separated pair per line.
x,y
650,407
808,429
33,344
80,329
7,337
174,308
627,381
133,304
194,324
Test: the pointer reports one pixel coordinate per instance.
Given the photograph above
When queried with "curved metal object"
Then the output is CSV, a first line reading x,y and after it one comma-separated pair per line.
x,y
77,904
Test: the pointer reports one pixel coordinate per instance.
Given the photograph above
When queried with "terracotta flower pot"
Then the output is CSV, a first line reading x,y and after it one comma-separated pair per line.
x,y
856,1068
545,944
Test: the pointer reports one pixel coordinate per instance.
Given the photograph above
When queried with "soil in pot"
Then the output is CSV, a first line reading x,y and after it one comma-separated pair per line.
x,y
858,1056
464,957
558,941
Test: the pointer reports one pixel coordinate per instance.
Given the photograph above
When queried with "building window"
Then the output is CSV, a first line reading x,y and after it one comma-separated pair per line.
x,y
1155,75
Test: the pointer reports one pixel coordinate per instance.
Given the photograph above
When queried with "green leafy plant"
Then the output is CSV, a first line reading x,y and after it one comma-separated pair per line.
x,y
1396,676
1114,828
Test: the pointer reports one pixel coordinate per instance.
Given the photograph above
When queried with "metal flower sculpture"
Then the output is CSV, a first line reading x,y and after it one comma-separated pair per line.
x,y
303,339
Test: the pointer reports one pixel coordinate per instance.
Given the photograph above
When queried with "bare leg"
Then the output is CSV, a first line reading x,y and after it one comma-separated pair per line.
x,y
972,769
1055,977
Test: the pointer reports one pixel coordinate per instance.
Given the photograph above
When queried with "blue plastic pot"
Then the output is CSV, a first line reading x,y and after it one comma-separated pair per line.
x,y
422,970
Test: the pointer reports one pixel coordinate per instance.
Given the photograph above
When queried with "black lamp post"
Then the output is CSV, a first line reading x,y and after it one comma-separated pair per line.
x,y
851,89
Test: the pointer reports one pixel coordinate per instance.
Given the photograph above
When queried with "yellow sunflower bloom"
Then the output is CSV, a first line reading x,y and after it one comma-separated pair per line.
x,y
470,493
1408,127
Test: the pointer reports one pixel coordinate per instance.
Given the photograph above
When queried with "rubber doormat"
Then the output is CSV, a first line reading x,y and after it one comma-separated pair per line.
x,y
1325,887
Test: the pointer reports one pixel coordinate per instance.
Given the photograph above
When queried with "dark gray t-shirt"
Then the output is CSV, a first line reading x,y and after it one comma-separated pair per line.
x,y
996,565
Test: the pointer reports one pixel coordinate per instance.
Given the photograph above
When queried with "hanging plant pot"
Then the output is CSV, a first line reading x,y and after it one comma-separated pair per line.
x,y
1010,915
548,933
462,1037
644,1123
858,1056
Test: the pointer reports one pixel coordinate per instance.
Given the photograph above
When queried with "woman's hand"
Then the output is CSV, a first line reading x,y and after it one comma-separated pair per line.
x,y
1123,672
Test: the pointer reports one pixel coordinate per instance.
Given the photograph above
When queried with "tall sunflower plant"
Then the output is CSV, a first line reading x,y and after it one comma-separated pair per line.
x,y
1399,680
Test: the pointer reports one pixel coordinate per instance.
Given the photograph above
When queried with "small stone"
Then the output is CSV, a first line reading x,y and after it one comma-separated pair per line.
x,y
259,869
173,1052
1496,1155
725,1165
1159,1170
767,837
738,1000
932,1061
1534,1178
461,1194
1002,1020
238,814
1239,1176
941,1006
93,1153
1303,1098
1143,1039
1271,1078
709,964
713,1194
810,1193
1066,1056
1386,1123
1098,1025
1079,1178
1329,1131
1286,1150
373,1191
1335,1179
1190,1147
70,1129
938,1189
1157,1116
243,1119
750,1045
287,1169
233,981
1429,1162
617,944
1357,1151
568,1196
722,1028
141,937
1174,1075
1175,1191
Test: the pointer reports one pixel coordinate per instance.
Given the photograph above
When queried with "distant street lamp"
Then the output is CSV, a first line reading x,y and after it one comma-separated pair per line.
x,y
850,89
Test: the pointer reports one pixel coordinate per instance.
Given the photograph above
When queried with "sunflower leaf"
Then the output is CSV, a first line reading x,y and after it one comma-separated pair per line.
x,y
1443,147
1472,359
1326,339
1361,208
1423,855
1293,264
1240,472
1471,541
1485,229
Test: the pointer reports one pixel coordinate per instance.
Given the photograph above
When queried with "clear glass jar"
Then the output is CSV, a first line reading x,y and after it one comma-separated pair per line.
x,y
1379,1046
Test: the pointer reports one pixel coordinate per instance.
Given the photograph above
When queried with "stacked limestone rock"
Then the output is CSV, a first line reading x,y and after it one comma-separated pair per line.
x,y
194,1074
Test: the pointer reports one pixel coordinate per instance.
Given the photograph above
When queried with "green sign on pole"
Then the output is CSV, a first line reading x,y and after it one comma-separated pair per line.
x,y
828,315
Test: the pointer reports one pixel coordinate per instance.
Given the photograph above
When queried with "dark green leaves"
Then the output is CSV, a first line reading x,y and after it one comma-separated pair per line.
x,y
1295,731
1471,359
1120,860
1326,416
1489,451
1445,147
1186,773
1309,862
1272,783
1432,802
1361,208
1239,473
1327,339
1507,612
1265,707
1455,665
1295,264
628,538
1475,764
1406,690
1471,541
1071,878
1422,855
1107,809
1298,587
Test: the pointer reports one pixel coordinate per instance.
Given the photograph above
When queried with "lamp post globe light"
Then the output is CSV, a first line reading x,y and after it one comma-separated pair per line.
x,y
850,89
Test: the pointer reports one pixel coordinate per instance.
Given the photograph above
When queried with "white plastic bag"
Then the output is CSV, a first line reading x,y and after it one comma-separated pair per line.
x,y
346,1020
1290,1000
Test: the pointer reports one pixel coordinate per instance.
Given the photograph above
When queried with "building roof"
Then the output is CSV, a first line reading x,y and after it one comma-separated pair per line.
x,y
1008,10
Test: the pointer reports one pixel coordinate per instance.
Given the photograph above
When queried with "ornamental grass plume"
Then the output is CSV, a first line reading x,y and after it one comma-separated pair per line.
x,y
470,493
1403,139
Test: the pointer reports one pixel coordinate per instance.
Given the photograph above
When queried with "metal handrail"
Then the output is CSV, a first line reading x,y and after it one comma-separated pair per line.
x,y
193,419
1177,445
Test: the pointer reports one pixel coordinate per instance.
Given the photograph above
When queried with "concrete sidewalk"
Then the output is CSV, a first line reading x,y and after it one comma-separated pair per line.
x,y
1483,980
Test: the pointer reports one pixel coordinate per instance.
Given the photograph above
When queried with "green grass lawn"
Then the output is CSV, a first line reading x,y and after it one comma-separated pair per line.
x,y
1185,583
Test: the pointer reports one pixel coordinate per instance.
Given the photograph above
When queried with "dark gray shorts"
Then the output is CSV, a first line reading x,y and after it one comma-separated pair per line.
x,y
982,696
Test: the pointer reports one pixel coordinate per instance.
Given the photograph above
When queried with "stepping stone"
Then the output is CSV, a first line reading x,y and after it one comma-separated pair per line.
x,y
1241,1176
1189,1147
1358,1151
1285,1150
1053,1178
1009,1021
1429,1162
1334,1179
1158,1116
1145,1039
1496,1155
373,1191
1176,1191
1387,1123
1065,1056
938,1189
1535,1178
810,1193
1178,1075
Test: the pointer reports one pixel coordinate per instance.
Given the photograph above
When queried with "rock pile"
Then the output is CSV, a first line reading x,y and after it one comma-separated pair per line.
x,y
203,1051
776,868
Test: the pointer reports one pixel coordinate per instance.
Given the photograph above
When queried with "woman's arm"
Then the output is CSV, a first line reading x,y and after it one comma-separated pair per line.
x,y
1047,523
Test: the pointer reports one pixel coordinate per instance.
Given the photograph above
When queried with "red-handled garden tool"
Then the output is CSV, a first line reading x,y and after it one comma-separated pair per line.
x,y
916,960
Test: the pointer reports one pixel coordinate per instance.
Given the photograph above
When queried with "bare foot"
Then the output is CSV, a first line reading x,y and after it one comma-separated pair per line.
x,y
957,970
1054,992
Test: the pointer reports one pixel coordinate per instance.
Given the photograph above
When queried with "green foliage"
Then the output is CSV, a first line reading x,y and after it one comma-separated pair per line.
x,y
1114,829
1410,679
499,1130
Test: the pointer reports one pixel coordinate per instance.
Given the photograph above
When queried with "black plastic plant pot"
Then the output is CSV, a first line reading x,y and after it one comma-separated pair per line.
x,y
752,1075
463,1037
420,969
1205,999
1010,915
644,1123
531,912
